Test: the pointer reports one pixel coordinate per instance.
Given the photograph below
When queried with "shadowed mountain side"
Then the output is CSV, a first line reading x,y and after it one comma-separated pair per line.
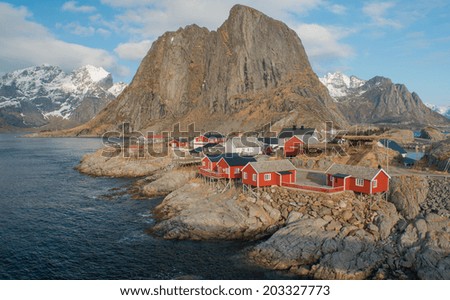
x,y
251,71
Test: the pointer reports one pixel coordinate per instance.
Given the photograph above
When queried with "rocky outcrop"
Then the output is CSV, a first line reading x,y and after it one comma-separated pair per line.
x,y
432,134
439,155
437,201
251,71
103,163
168,182
197,212
408,193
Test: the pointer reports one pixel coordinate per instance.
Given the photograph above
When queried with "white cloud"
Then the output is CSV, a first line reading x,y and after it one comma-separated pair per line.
x,y
74,7
147,19
80,30
337,9
133,51
322,42
27,43
377,11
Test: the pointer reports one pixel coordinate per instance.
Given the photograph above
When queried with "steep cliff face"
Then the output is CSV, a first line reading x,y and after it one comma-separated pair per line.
x,y
251,71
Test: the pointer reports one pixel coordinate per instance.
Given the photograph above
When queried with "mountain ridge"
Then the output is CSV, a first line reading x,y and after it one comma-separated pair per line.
x,y
380,101
36,96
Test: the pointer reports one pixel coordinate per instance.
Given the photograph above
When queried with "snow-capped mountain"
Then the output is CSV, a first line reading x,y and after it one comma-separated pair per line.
x,y
340,85
36,95
379,101
443,110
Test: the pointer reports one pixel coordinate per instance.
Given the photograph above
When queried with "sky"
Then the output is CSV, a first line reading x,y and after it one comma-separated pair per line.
x,y
405,40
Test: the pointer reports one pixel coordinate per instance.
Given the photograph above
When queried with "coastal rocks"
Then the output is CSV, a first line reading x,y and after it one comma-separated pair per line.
x,y
297,244
407,193
424,246
101,163
197,212
437,200
168,182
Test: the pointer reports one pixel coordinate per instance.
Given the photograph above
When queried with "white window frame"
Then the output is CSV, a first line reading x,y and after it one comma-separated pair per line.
x,y
244,175
267,177
237,171
375,183
254,177
204,163
359,182
331,178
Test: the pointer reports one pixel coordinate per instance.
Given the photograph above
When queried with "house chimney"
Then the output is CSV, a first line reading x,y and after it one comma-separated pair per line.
x,y
294,127
302,127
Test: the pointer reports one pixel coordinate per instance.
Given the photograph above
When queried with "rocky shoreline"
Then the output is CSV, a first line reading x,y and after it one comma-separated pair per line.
x,y
341,236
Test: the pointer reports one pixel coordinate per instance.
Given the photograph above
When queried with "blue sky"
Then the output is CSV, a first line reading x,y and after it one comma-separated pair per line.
x,y
407,41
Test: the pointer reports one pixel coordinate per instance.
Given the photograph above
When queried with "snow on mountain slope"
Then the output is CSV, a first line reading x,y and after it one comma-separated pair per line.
x,y
30,96
443,110
340,85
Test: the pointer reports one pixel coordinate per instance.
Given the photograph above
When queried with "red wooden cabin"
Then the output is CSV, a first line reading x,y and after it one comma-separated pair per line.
x,y
293,146
267,173
358,179
232,164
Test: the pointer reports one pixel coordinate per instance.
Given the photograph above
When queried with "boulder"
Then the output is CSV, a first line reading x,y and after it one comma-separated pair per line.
x,y
407,193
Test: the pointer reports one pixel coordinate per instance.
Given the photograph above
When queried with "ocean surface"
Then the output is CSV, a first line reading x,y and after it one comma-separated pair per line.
x,y
56,223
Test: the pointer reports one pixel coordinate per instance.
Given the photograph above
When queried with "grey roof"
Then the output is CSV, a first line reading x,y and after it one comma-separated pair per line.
x,y
272,166
244,142
289,132
354,171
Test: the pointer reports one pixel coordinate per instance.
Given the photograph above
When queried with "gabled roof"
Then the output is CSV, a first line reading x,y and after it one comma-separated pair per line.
x,y
393,145
235,160
246,142
355,171
272,166
301,131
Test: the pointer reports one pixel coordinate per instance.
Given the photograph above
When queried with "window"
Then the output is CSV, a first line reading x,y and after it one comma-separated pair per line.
x,y
204,163
244,175
254,177
359,182
331,178
236,171
375,183
267,177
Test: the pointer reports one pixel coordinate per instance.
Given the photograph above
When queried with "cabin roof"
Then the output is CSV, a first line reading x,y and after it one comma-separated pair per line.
x,y
291,131
234,160
272,166
354,171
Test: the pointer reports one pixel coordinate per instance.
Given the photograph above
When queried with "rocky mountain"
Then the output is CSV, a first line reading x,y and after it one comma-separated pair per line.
x,y
46,95
251,71
379,101
443,110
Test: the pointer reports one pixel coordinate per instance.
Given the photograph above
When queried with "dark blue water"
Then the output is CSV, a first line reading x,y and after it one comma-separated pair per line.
x,y
56,223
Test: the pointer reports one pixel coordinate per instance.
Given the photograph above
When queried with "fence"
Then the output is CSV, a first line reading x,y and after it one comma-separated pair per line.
x,y
313,188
